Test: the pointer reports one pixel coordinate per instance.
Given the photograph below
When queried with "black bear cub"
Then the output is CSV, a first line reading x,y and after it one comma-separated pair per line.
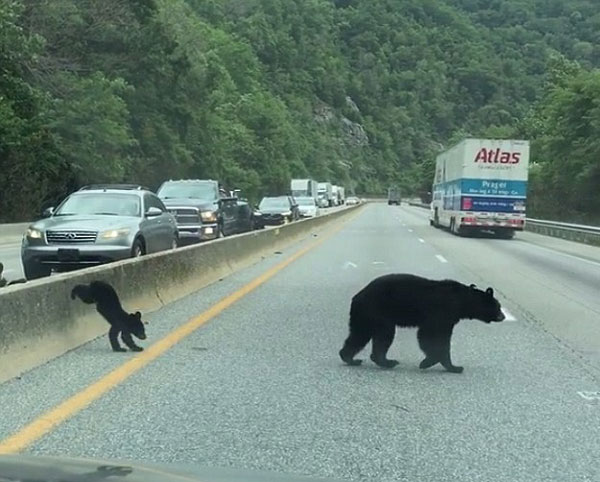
x,y
108,305
405,300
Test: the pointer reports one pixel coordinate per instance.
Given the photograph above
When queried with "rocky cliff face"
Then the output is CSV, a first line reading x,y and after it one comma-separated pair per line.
x,y
352,133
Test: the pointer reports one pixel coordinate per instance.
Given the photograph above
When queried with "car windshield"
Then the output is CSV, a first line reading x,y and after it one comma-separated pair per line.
x,y
274,203
107,204
305,201
188,191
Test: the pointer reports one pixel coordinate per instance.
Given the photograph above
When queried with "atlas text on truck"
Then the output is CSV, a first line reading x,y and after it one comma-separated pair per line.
x,y
481,185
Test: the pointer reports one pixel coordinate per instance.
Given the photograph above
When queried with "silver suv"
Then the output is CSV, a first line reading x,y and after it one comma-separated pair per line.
x,y
95,225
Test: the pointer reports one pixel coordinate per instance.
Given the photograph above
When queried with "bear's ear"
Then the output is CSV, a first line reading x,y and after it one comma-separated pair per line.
x,y
473,286
138,315
490,291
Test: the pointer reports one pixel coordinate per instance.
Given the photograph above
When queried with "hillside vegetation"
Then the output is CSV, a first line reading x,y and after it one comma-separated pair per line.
x,y
254,92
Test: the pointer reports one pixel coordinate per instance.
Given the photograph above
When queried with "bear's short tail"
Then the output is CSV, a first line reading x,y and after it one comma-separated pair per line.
x,y
84,293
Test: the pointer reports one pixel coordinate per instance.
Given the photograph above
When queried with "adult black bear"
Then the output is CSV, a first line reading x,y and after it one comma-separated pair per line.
x,y
411,301
108,305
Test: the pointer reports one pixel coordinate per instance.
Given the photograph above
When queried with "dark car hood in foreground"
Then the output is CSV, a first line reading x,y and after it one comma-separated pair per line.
x,y
25,468
201,204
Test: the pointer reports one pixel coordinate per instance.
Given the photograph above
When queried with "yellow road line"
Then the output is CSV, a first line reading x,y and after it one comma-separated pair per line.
x,y
46,422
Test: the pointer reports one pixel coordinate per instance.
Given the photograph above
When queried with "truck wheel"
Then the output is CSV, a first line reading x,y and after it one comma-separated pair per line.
x,y
436,219
454,229
35,270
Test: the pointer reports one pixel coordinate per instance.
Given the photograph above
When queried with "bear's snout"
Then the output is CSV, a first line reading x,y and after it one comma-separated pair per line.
x,y
500,316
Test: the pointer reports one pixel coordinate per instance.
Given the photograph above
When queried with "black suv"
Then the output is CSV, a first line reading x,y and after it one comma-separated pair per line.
x,y
204,210
279,210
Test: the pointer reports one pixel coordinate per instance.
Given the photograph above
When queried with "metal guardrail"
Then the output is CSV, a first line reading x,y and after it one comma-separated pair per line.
x,y
573,232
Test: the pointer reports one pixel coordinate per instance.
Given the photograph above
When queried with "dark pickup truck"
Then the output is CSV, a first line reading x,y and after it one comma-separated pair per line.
x,y
394,196
204,210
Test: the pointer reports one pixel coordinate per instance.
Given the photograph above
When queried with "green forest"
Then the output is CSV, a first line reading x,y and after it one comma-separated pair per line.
x,y
254,92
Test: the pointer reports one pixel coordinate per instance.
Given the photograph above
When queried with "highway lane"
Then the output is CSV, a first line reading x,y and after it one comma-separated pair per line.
x,y
10,256
553,282
261,386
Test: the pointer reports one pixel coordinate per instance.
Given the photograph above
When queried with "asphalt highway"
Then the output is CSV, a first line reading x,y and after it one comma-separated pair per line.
x,y
260,386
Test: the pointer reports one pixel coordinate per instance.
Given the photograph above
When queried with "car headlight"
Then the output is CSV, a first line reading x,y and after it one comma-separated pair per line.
x,y
287,213
34,233
209,216
115,233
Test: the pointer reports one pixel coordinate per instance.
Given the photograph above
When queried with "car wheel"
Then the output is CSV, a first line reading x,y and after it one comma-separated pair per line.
x,y
35,270
137,249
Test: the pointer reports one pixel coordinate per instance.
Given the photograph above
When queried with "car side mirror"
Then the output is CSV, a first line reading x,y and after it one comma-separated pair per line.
x,y
48,212
153,212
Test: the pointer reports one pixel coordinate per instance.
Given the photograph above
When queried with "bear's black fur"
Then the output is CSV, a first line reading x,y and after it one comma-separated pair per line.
x,y
412,301
108,305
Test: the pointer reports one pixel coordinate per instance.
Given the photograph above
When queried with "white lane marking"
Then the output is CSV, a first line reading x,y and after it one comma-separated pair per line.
x,y
509,316
410,230
441,259
378,262
589,395
350,264
421,240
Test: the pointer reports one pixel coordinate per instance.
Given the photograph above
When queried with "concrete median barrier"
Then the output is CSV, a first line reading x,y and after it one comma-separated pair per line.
x,y
39,321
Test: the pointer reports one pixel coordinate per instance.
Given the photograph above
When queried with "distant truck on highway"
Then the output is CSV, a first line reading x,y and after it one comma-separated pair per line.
x,y
304,188
339,195
325,194
394,196
481,185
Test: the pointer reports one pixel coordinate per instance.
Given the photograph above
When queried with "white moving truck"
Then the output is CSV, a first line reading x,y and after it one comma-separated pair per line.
x,y
335,195
304,188
481,185
325,194
341,192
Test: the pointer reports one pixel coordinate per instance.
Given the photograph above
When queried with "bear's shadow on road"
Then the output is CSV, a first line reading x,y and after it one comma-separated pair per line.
x,y
404,368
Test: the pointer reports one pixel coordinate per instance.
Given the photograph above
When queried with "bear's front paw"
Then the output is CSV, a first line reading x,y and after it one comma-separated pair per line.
x,y
136,348
454,369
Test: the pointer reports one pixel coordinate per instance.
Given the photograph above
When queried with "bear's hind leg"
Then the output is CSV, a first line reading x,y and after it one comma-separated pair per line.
x,y
355,342
382,340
